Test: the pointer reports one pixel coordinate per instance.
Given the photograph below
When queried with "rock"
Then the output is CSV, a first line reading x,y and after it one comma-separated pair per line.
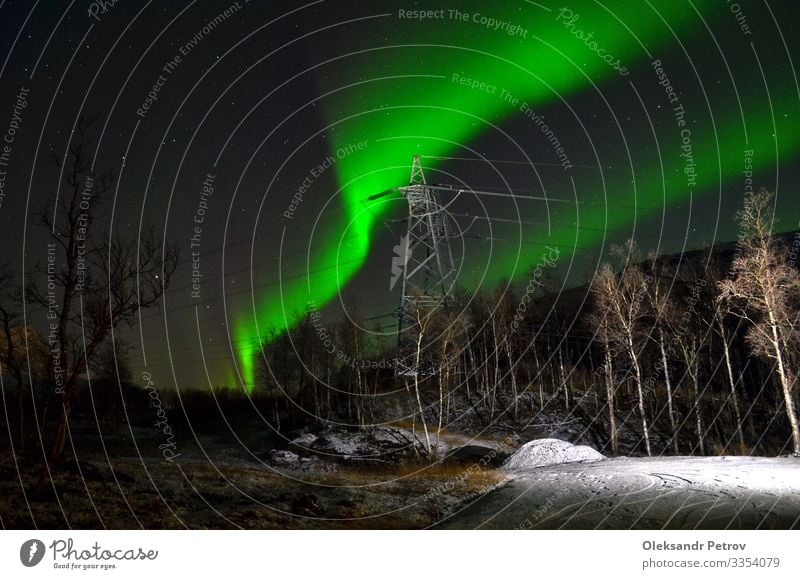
x,y
549,451
305,440
283,458
341,443
379,442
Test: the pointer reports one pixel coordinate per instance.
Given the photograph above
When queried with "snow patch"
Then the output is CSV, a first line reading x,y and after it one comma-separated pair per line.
x,y
549,451
305,440
344,444
283,458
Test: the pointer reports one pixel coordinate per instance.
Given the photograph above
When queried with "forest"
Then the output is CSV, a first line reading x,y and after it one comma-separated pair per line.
x,y
694,354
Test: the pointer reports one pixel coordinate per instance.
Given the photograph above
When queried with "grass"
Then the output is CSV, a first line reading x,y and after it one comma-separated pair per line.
x,y
198,495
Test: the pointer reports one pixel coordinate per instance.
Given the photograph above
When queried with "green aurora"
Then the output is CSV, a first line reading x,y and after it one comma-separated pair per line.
x,y
410,104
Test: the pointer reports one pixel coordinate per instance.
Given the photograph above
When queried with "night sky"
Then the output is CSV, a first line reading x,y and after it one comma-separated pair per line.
x,y
252,134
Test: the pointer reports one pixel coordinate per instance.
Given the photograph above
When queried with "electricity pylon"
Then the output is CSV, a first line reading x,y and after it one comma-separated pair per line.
x,y
429,273
423,261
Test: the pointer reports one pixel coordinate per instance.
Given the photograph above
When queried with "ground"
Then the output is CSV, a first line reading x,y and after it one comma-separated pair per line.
x,y
215,482
643,493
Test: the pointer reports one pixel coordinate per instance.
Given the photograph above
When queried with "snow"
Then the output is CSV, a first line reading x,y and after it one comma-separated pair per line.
x,y
283,458
343,444
549,451
346,444
388,442
677,492
305,440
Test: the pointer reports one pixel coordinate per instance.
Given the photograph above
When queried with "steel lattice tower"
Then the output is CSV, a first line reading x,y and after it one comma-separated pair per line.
x,y
429,271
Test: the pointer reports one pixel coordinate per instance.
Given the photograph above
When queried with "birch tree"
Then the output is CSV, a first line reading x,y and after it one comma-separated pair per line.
x,y
620,297
764,290
663,313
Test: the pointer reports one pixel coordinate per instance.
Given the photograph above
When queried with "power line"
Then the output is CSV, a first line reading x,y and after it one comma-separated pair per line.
x,y
507,161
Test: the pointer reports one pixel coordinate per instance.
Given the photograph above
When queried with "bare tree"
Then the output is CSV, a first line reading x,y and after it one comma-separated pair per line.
x,y
621,298
450,346
600,319
719,326
10,344
421,367
23,352
505,303
721,312
764,290
92,283
690,346
664,314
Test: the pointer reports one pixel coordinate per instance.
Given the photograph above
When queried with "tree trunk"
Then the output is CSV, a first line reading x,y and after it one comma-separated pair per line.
x,y
21,419
419,399
57,447
441,405
539,375
697,413
785,385
668,384
610,396
511,371
638,376
732,383
496,360
563,378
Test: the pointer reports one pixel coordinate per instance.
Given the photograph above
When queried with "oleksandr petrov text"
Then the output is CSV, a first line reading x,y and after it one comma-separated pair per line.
x,y
738,560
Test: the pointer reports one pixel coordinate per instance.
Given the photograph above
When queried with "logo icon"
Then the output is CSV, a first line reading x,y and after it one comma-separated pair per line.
x,y
32,552
402,253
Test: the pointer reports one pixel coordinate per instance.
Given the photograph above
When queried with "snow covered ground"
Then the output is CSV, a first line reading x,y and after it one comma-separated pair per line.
x,y
547,452
643,493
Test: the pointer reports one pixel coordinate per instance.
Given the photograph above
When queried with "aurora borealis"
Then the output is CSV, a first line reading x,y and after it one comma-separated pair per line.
x,y
632,119
452,77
